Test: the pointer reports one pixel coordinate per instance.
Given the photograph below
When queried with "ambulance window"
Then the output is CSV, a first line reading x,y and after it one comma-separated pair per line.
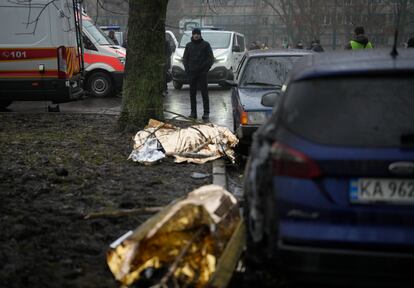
x,y
100,37
87,44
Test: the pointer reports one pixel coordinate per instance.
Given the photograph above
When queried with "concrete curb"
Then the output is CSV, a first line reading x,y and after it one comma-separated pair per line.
x,y
219,173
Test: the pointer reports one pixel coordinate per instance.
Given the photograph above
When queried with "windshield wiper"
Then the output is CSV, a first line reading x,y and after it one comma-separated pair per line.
x,y
258,84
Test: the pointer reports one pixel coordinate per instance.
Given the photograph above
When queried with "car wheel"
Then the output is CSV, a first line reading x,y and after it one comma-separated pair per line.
x,y
99,84
177,85
5,103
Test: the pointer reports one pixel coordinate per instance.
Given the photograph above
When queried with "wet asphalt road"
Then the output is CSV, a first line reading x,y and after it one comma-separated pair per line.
x,y
177,101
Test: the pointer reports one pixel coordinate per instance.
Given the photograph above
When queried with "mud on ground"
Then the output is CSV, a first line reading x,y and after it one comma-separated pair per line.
x,y
55,169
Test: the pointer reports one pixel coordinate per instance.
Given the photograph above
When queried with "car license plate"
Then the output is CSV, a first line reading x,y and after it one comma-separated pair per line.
x,y
368,190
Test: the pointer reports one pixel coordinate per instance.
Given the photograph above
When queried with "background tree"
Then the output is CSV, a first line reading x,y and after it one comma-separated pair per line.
x,y
401,11
144,71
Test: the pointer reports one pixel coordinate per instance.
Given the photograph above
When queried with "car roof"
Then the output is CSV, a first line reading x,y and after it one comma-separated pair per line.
x,y
278,52
368,61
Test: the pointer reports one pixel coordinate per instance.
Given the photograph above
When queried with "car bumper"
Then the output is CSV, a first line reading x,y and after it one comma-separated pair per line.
x,y
118,78
321,265
245,133
214,76
55,90
319,236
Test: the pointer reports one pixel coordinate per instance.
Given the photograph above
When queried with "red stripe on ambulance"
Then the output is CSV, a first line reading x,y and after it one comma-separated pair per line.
x,y
10,54
28,74
109,60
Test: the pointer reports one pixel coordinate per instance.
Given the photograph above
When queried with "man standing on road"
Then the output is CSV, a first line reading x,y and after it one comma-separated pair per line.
x,y
197,59
360,41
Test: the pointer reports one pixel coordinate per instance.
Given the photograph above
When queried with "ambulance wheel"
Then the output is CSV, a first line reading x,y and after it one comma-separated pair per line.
x,y
100,84
177,85
5,104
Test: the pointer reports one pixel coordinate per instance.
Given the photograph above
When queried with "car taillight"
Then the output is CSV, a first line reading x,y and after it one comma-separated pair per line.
x,y
244,118
289,162
62,67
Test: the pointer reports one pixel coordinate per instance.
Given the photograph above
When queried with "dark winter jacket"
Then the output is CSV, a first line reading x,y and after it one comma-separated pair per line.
x,y
198,56
360,42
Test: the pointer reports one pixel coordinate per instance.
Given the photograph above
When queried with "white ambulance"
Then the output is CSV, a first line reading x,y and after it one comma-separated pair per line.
x,y
40,55
104,61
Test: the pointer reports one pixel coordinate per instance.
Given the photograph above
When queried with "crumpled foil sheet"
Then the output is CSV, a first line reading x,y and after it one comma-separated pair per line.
x,y
149,152
155,245
196,144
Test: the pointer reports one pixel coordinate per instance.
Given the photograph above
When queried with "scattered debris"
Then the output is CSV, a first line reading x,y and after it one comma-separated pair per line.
x,y
198,143
197,175
187,244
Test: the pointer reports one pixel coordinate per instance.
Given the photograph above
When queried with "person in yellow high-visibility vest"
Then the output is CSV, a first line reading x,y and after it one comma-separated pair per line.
x,y
360,41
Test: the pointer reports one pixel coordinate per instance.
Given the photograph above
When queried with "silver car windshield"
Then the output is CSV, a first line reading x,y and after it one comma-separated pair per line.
x,y
216,40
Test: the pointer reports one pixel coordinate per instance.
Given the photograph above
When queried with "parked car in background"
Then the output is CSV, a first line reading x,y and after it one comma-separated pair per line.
x,y
228,48
261,72
329,185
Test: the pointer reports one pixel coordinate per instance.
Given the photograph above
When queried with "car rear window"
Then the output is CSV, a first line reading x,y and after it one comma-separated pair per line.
x,y
363,112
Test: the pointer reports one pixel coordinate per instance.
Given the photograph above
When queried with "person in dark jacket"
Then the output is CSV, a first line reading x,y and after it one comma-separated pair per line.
x,y
360,41
111,35
316,46
253,45
197,59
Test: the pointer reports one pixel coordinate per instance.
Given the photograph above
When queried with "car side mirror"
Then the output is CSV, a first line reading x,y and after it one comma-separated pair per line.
x,y
228,83
236,48
270,99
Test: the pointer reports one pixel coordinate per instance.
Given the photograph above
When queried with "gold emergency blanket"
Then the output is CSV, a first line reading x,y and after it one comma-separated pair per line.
x,y
196,144
182,243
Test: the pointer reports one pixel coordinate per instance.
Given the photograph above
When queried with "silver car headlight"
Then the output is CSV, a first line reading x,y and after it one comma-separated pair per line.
x,y
221,59
256,117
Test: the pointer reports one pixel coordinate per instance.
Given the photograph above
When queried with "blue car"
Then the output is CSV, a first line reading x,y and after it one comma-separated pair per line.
x,y
329,184
260,72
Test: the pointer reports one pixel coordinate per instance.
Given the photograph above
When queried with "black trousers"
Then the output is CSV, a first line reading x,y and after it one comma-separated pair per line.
x,y
199,80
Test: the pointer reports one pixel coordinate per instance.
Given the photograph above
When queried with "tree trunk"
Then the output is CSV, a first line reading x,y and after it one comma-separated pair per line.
x,y
144,71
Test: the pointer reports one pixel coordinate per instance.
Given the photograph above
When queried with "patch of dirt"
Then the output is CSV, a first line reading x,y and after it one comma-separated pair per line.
x,y
55,169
